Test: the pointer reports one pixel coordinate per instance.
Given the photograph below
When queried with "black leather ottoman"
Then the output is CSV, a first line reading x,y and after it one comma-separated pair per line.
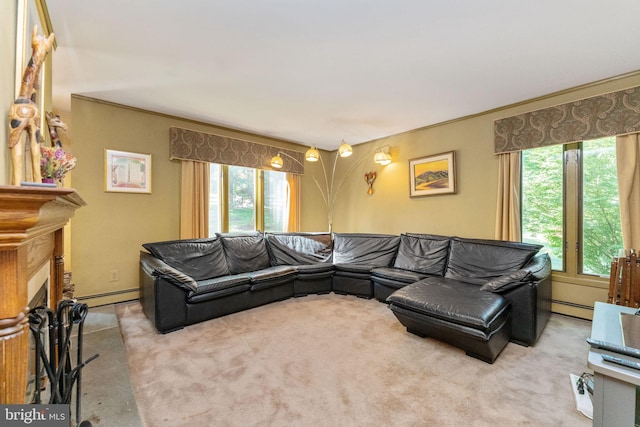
x,y
455,312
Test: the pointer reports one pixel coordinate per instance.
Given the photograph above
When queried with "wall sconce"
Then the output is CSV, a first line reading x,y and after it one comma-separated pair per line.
x,y
381,157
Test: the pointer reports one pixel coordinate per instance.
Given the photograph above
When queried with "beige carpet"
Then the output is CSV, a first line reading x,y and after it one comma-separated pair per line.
x,y
335,360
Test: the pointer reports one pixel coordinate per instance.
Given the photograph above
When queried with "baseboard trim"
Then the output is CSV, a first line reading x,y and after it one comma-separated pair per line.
x,y
572,309
572,304
104,298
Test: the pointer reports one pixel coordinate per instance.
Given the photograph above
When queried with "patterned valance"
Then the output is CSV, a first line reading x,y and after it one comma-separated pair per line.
x,y
616,113
188,144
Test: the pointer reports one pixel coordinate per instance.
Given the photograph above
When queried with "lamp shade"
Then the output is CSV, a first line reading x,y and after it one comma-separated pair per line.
x,y
382,158
345,150
312,155
276,161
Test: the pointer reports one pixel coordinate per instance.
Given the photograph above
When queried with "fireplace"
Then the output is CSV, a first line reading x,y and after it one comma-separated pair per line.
x,y
32,221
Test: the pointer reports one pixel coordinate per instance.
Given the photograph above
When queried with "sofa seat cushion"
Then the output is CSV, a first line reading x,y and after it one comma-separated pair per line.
x,y
423,253
219,287
455,302
270,273
478,261
271,276
397,274
353,269
317,268
198,258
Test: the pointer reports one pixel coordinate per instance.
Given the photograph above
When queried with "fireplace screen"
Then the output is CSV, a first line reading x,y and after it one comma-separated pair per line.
x,y
54,334
39,300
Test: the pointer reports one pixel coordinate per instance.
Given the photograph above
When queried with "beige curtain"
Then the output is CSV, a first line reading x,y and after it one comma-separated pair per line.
x,y
508,208
294,202
628,163
194,200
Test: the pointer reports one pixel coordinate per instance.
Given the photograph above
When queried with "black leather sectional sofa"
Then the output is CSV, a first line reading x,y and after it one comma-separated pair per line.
x,y
475,294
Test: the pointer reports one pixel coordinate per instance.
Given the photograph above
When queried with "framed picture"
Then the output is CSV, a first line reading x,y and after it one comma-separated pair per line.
x,y
127,172
432,175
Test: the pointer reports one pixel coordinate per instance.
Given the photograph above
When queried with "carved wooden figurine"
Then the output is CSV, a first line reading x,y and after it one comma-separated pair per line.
x,y
53,123
23,112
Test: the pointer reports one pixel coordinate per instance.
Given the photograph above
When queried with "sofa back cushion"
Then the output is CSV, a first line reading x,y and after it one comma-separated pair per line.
x,y
423,253
378,250
478,261
199,258
299,248
245,252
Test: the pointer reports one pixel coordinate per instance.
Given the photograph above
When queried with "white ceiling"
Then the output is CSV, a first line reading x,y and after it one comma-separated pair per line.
x,y
319,71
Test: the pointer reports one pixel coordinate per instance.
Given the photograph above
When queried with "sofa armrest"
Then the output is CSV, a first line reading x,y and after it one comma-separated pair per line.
x,y
530,310
539,267
158,268
163,296
530,299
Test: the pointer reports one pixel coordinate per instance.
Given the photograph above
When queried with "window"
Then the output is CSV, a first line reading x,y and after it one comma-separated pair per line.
x,y
276,201
601,232
543,202
246,199
570,204
215,220
241,199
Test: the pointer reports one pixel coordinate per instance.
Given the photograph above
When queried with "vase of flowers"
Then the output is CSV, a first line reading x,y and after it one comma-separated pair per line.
x,y
55,163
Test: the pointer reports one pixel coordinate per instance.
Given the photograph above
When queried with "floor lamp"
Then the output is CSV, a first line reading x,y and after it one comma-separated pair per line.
x,y
330,191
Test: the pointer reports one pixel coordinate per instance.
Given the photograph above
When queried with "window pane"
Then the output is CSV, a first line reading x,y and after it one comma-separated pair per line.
x,y
542,200
214,199
601,231
242,205
276,201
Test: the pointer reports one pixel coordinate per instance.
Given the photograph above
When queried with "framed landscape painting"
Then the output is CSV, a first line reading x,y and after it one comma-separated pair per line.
x,y
432,175
127,172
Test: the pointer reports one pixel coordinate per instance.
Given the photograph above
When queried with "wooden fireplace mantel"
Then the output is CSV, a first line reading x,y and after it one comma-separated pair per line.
x,y
32,221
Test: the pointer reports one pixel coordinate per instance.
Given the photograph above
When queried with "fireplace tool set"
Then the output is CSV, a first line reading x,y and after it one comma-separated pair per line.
x,y
53,352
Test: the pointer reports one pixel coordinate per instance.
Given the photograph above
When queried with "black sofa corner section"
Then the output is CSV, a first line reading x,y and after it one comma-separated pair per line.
x,y
500,291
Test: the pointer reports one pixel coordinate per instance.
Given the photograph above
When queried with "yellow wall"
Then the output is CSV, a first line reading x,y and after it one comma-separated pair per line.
x,y
470,212
109,231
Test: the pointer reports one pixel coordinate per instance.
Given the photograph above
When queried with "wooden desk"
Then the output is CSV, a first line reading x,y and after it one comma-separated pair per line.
x,y
614,396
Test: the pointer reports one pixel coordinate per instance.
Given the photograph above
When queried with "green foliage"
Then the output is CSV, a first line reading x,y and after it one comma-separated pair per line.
x,y
542,200
601,231
242,219
543,206
242,204
241,187
242,199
